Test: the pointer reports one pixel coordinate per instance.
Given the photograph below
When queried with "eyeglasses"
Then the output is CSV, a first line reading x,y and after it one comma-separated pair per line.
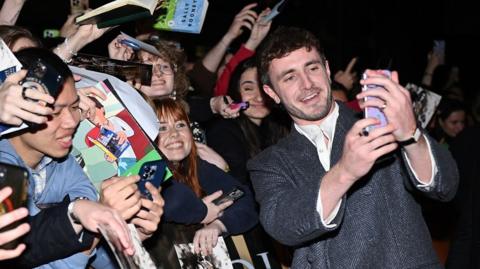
x,y
164,68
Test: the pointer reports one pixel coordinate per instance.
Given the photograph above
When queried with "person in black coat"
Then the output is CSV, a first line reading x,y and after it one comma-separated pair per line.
x,y
465,244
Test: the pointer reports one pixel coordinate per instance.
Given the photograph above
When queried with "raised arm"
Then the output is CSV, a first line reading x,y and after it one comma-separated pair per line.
x,y
10,11
84,35
245,18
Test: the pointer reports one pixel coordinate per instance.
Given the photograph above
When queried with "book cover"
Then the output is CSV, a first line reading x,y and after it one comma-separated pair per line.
x,y
123,70
425,103
219,259
112,143
9,64
118,12
181,15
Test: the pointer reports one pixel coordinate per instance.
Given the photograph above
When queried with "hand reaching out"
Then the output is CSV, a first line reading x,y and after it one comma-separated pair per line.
x,y
245,18
86,105
206,238
12,234
69,27
92,215
220,105
148,218
347,77
121,194
208,154
119,51
259,31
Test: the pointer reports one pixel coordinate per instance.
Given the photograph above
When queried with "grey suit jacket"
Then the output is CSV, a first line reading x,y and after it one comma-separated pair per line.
x,y
379,224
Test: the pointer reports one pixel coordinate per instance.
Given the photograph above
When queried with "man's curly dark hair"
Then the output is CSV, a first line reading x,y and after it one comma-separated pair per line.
x,y
280,43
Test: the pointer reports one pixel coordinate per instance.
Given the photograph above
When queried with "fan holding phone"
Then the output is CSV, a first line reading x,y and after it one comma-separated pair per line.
x,y
191,198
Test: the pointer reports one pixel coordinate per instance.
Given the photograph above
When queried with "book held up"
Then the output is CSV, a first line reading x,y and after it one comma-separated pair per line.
x,y
118,12
181,15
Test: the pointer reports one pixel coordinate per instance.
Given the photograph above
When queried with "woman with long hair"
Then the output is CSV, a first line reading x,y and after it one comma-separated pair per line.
x,y
257,127
189,199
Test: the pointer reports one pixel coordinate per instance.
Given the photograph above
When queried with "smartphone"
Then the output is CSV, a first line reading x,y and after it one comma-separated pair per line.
x,y
15,177
275,11
242,105
130,44
43,77
153,172
375,112
439,47
233,195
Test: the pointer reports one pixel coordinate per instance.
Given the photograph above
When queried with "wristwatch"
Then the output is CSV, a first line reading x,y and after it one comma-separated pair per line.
x,y
413,139
70,213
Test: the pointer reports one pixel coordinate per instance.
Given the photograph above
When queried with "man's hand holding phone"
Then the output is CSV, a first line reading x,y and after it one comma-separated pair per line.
x,y
392,99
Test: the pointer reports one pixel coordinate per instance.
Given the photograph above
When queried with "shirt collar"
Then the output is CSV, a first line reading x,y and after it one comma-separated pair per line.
x,y
44,162
327,127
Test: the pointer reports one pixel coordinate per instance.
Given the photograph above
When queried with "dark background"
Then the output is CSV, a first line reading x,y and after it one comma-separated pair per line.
x,y
395,34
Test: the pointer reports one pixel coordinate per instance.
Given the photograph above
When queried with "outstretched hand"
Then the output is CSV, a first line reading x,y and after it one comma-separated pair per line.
x,y
394,100
347,77
119,51
148,218
245,18
206,238
92,215
12,234
259,31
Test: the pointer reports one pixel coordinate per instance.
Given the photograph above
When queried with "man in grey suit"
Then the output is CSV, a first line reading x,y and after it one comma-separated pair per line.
x,y
323,189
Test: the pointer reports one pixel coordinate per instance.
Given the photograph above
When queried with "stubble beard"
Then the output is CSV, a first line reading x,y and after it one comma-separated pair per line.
x,y
297,113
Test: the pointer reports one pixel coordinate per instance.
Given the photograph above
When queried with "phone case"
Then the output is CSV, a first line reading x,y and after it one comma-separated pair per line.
x,y
374,112
153,172
233,195
242,105
15,177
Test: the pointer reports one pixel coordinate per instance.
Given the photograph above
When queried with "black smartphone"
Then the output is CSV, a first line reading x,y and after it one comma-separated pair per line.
x,y
16,177
44,75
233,195
153,172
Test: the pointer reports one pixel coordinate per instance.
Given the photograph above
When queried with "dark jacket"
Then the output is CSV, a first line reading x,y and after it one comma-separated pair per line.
x,y
183,206
379,223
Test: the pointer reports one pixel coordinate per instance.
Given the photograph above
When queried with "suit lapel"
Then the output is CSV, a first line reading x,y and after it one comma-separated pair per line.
x,y
344,122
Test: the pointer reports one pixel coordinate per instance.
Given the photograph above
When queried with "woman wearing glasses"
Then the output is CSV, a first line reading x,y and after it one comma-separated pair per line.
x,y
169,78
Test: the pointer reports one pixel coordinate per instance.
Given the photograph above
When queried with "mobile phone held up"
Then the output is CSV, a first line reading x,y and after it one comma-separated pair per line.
x,y
241,105
15,177
375,112
44,78
233,195
153,172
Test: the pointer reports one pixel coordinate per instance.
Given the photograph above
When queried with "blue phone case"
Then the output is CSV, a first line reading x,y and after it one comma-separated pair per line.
x,y
129,43
153,172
